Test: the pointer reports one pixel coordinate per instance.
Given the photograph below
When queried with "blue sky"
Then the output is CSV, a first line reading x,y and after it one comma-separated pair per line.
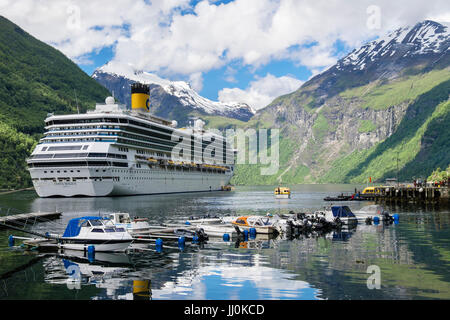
x,y
248,51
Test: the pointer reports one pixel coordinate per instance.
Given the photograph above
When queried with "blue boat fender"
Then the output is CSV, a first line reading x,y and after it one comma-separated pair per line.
x,y
11,241
91,253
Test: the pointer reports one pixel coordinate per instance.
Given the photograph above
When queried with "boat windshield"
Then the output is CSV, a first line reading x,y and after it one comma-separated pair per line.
x,y
96,223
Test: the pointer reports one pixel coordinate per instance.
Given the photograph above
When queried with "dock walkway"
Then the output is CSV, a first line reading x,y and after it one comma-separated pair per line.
x,y
31,217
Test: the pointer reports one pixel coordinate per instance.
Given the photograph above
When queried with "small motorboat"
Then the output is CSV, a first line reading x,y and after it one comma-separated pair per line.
x,y
282,193
340,197
101,233
341,214
133,226
372,212
262,225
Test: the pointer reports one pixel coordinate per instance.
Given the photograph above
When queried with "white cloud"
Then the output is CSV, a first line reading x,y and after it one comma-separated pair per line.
x,y
262,91
156,36
196,81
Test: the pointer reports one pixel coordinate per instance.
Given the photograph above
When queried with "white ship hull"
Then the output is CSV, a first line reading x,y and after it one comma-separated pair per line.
x,y
136,183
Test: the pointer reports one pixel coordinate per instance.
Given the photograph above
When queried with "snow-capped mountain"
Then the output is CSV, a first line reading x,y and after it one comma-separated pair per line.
x,y
174,99
425,38
405,51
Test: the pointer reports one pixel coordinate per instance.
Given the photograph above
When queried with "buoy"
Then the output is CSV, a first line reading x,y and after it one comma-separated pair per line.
x,y
226,237
376,220
187,223
252,232
396,217
245,234
159,245
195,239
11,241
181,242
91,253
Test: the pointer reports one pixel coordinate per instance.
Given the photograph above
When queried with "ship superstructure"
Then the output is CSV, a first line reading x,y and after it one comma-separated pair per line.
x,y
113,151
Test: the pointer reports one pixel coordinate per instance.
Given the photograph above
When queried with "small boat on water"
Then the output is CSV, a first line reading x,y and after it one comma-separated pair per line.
x,y
132,225
374,212
282,193
342,214
340,197
101,233
262,224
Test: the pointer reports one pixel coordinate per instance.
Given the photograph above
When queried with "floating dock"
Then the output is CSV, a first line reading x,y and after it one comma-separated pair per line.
x,y
411,194
25,218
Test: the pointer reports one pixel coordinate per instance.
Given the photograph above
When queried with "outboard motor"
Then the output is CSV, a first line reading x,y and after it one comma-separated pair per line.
x,y
202,236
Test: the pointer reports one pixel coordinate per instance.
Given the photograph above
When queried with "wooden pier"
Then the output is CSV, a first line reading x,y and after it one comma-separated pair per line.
x,y
411,194
25,218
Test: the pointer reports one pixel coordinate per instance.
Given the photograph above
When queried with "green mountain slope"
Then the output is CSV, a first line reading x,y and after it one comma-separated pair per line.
x,y
380,112
35,79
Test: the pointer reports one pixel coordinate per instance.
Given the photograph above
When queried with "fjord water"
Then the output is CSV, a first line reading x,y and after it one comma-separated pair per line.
x,y
413,256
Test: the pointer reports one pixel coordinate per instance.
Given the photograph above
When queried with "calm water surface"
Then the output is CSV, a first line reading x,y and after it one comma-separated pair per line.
x,y
413,255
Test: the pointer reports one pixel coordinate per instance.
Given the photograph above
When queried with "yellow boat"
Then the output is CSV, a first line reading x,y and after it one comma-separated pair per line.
x,y
282,193
374,190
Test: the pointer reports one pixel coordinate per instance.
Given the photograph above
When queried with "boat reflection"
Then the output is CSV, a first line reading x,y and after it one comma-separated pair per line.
x,y
109,271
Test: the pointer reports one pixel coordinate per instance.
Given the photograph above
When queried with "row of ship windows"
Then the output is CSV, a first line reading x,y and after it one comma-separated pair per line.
x,y
78,155
116,171
73,179
84,128
162,145
65,148
165,135
109,120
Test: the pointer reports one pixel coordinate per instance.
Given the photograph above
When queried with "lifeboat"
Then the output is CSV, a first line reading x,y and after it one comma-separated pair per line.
x,y
282,193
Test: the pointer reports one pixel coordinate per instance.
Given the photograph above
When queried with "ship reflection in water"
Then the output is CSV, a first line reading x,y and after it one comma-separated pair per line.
x,y
412,255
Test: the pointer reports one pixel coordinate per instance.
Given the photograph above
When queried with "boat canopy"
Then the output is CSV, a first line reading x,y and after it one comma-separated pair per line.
x,y
74,226
342,211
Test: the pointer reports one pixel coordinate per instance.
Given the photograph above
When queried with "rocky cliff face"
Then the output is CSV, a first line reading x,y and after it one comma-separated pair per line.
x,y
170,99
343,117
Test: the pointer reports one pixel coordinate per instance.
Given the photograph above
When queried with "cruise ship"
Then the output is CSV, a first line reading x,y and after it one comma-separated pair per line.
x,y
115,151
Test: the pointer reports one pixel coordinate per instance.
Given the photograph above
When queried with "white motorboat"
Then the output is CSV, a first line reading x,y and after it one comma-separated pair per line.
x,y
101,233
342,214
133,226
373,211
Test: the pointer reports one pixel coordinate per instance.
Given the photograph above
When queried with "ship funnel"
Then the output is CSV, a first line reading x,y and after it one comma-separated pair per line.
x,y
140,97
